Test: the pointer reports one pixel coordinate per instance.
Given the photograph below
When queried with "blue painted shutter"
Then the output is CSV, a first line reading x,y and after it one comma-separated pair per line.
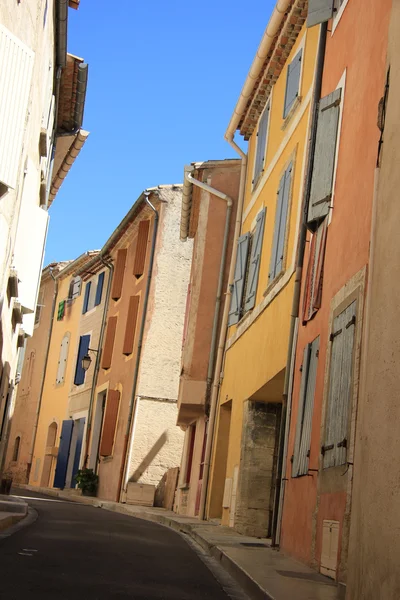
x,y
86,298
319,11
278,243
261,145
63,453
80,424
255,257
82,351
239,279
292,83
99,289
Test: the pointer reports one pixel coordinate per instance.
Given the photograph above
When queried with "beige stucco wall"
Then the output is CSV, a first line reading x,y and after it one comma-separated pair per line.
x,y
374,551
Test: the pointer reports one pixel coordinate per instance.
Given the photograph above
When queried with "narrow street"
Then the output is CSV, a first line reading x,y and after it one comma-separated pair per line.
x,y
77,551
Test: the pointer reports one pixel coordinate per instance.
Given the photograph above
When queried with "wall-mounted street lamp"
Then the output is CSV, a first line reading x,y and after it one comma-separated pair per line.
x,y
86,360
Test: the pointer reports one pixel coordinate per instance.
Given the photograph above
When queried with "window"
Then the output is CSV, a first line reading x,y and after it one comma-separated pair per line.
x,y
110,423
254,263
99,289
141,248
336,436
86,299
239,279
61,310
83,348
324,158
261,144
75,288
109,343
16,448
305,411
315,272
118,277
292,83
130,327
63,357
281,217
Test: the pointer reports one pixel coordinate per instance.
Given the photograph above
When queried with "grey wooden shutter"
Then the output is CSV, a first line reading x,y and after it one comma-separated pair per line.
x,y
239,279
324,158
300,411
319,11
255,257
334,449
278,242
261,144
62,362
292,83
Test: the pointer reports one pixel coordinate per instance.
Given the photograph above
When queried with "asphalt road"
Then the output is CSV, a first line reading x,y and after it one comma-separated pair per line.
x,y
74,551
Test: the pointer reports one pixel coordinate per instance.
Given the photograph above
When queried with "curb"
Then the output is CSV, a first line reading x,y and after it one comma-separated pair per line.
x,y
17,522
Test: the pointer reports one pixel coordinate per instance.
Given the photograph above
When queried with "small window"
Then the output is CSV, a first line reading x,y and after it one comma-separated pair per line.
x,y
99,288
292,83
75,288
280,230
61,310
83,349
86,299
261,145
16,448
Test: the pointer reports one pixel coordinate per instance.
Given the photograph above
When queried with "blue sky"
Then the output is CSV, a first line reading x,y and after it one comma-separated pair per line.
x,y
163,80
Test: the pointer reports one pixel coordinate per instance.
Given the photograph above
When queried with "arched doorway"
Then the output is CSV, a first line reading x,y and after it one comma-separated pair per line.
x,y
49,454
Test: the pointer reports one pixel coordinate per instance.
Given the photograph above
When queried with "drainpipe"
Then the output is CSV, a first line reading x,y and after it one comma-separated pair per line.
x,y
124,466
229,203
35,426
110,268
62,29
223,332
284,430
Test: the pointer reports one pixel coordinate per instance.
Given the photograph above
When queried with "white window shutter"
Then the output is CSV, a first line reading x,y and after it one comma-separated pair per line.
x,y
62,362
319,11
239,279
255,258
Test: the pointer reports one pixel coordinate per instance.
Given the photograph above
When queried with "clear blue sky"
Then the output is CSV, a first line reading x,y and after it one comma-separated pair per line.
x,y
163,80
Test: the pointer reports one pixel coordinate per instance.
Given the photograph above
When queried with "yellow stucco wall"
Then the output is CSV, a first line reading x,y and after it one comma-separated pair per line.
x,y
55,396
257,345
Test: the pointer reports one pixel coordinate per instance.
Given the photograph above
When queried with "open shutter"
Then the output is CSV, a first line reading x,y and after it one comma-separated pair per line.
x,y
261,144
292,83
141,248
324,158
80,428
300,413
278,242
109,343
118,278
84,342
63,453
239,279
99,289
110,423
86,298
345,383
329,447
308,408
255,257
319,11
130,328
62,362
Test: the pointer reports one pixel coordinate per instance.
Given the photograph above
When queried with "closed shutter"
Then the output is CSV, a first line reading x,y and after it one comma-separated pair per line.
x,y
292,83
86,298
334,449
110,423
109,343
61,310
141,248
261,144
63,454
83,348
239,279
16,67
130,327
99,289
279,239
118,277
255,257
324,158
319,11
62,361
305,411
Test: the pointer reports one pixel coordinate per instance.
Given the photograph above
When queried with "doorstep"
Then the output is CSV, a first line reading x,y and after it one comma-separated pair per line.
x,y
263,572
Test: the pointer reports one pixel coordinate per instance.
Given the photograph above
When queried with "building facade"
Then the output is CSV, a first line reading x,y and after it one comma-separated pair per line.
x,y
317,479
209,221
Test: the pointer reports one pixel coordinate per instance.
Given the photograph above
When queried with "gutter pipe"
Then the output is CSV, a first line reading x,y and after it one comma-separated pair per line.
x,y
124,466
62,30
284,430
223,331
229,204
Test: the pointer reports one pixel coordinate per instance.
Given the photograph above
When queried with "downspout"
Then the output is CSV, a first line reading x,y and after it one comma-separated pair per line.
x,y
223,332
217,309
124,466
110,268
35,426
284,431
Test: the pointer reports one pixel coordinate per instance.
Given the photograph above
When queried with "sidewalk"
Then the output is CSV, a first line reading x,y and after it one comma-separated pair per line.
x,y
262,572
12,510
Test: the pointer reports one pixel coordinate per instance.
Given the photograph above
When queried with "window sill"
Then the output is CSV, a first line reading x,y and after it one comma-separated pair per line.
x,y
273,283
106,459
291,112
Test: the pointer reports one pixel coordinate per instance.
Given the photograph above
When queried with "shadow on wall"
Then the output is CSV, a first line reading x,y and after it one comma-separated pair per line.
x,y
150,456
